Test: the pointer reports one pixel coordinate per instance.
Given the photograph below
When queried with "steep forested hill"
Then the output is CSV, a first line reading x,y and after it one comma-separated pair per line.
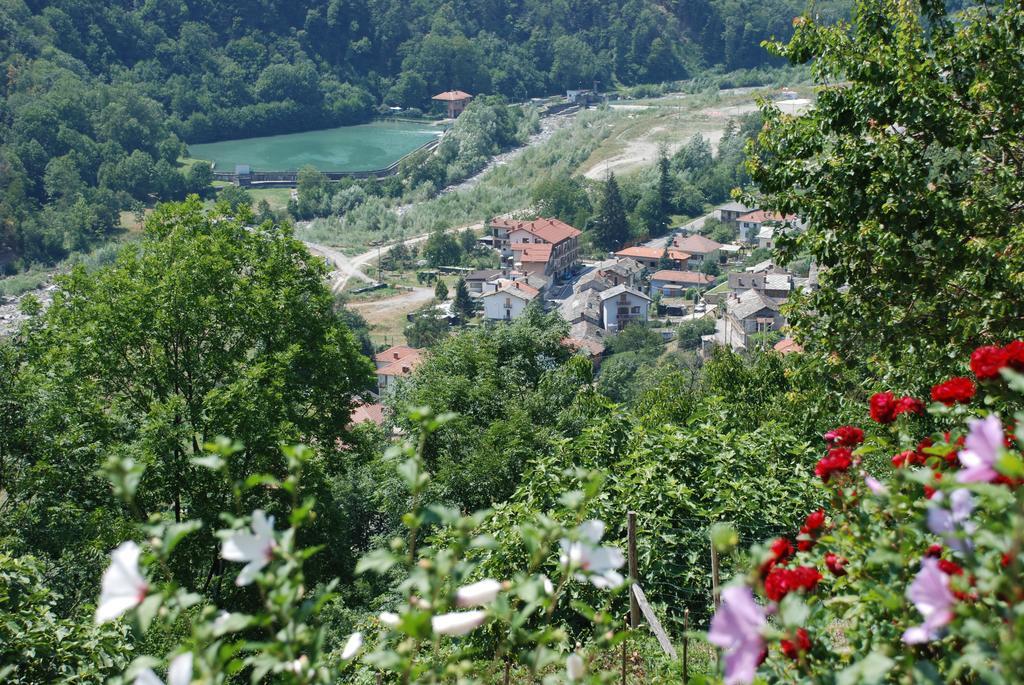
x,y
98,95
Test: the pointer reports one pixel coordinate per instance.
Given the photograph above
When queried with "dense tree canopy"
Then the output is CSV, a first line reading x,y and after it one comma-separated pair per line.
x,y
98,97
210,326
911,177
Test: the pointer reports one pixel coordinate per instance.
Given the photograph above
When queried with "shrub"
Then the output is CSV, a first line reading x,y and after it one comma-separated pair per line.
x,y
912,572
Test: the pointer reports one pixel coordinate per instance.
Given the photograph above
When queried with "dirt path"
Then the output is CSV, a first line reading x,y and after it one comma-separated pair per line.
x,y
347,268
377,312
710,122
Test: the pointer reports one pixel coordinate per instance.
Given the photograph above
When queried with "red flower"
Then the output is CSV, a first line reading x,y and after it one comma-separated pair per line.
x,y
909,405
814,520
950,568
776,585
957,389
781,552
845,436
1015,354
934,551
837,461
806,577
986,361
800,643
1005,560
809,531
781,581
836,564
883,407
903,458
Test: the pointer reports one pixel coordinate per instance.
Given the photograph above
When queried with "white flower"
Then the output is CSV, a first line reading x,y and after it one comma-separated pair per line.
x,y
477,594
178,673
597,563
221,622
549,588
256,548
389,618
123,585
352,647
458,622
300,666
575,667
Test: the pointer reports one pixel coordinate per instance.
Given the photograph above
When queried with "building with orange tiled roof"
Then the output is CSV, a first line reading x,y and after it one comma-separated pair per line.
x,y
513,237
373,413
788,346
698,247
671,283
394,363
750,224
456,101
651,256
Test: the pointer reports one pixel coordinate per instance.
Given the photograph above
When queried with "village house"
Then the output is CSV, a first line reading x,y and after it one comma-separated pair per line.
x,y
699,248
778,284
455,101
617,271
584,305
475,280
671,283
395,363
788,346
731,211
550,247
652,257
750,224
362,413
588,339
746,315
509,300
621,306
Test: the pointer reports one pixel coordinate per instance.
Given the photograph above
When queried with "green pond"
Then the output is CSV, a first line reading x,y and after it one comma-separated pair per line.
x,y
349,148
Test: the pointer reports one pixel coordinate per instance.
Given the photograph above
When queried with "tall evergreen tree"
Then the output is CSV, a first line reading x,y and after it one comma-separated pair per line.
x,y
609,228
666,185
440,291
463,305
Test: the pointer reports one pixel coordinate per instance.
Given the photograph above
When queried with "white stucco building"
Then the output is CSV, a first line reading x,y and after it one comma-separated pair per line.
x,y
621,306
508,300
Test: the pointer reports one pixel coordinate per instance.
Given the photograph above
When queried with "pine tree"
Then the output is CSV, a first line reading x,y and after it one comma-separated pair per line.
x,y
440,291
463,305
666,185
609,227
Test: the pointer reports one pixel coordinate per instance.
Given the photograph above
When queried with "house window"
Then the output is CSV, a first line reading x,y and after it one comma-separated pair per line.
x,y
636,310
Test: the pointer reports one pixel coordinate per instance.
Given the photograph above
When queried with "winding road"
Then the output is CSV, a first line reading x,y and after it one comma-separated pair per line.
x,y
346,268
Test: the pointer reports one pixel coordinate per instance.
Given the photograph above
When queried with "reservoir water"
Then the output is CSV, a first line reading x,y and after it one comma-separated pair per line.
x,y
365,147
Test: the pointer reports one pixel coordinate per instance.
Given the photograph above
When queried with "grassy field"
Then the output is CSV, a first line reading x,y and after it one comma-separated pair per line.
x,y
624,138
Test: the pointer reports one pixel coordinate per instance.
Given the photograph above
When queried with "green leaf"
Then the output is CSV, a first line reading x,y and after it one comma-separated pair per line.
x,y
793,611
212,462
176,532
872,669
146,611
378,561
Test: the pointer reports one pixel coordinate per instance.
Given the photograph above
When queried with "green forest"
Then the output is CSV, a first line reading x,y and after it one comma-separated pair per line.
x,y
100,97
186,499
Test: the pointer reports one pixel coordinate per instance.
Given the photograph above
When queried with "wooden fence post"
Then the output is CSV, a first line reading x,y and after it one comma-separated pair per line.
x,y
686,645
634,607
714,575
624,662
